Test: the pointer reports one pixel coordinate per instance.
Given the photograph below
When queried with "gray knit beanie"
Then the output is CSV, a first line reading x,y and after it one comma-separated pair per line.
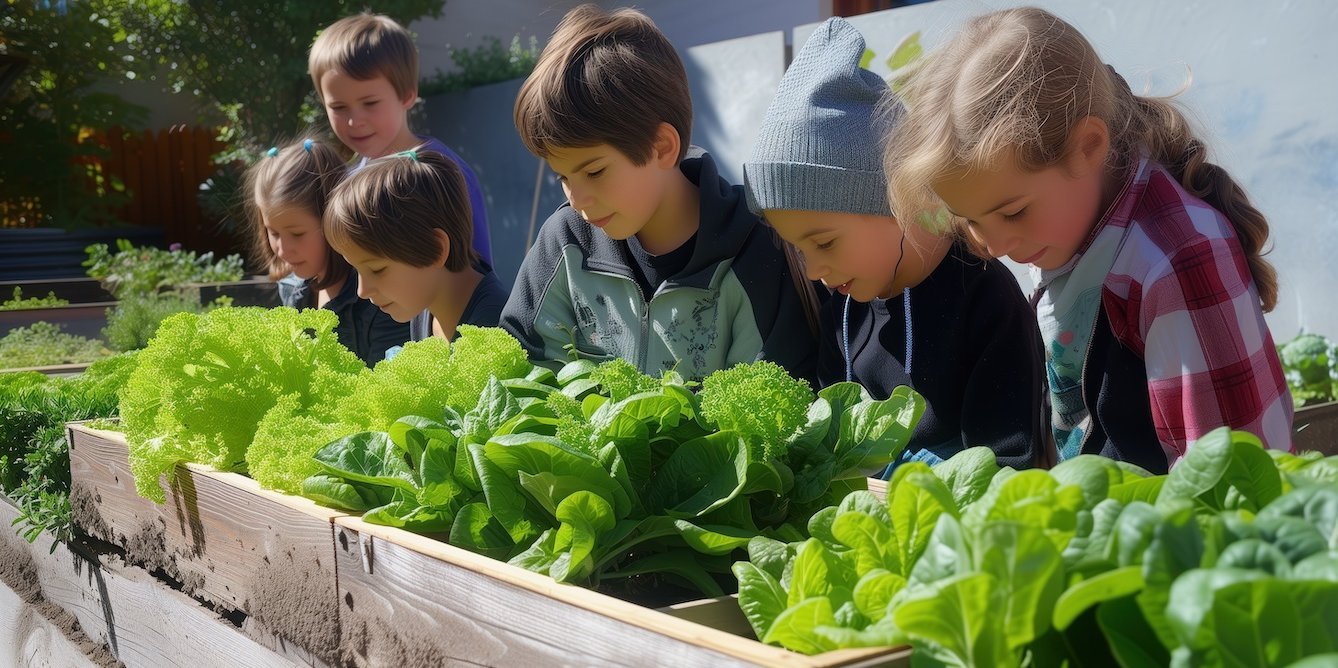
x,y
820,145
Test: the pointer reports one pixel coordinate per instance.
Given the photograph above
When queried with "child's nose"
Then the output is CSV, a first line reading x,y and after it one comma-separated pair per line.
x,y
580,199
364,290
998,245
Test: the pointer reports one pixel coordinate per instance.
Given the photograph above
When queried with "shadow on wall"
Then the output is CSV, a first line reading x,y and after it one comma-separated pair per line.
x,y
477,124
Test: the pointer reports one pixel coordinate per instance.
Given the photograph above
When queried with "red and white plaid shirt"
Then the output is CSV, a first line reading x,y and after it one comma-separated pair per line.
x,y
1181,296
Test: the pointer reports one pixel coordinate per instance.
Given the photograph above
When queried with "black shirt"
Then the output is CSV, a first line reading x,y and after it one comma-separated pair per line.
x,y
484,308
651,270
976,358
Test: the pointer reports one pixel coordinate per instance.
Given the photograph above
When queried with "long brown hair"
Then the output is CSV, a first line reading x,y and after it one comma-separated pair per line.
x,y
1022,78
301,175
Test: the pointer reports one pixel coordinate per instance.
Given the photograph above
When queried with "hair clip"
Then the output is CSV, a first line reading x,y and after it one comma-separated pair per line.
x,y
411,154
306,146
273,151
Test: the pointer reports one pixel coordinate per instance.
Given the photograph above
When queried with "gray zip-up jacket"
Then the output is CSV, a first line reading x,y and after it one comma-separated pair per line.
x,y
735,301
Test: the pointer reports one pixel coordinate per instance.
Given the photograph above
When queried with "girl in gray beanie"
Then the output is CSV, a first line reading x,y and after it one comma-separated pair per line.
x,y
912,308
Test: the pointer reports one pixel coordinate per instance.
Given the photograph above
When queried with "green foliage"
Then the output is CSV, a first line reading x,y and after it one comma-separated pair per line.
x,y
45,344
19,302
598,473
1236,563
205,382
137,272
619,379
1310,363
759,401
135,319
488,63
34,455
47,113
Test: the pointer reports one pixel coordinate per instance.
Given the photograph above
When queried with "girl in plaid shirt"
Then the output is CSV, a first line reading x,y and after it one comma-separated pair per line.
x,y
1151,285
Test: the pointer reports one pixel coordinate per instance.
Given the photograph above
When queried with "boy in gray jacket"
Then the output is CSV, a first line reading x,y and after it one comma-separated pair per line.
x,y
655,258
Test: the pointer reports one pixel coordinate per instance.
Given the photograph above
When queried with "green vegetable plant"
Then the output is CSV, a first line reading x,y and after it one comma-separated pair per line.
x,y
1231,559
1310,363
597,474
133,271
19,302
44,344
34,455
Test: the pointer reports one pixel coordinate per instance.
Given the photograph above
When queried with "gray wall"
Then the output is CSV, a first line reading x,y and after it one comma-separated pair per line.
x,y
1261,90
1263,94
687,23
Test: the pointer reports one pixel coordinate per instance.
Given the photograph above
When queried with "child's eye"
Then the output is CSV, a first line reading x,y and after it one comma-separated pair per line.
x,y
298,234
1015,215
826,245
378,271
595,174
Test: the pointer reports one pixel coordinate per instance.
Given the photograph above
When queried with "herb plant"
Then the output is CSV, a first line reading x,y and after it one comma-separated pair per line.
x,y
144,271
44,344
18,302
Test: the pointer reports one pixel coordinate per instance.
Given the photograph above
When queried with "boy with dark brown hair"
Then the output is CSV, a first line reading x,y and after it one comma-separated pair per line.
x,y
655,258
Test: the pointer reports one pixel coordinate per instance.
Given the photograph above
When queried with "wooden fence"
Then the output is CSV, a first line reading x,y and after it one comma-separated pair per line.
x,y
162,171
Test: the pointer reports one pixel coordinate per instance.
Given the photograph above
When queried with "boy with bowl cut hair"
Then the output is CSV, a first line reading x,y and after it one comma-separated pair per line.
x,y
365,71
655,258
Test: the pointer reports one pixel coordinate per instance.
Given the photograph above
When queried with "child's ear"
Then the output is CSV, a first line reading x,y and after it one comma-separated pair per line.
x,y
664,149
410,97
1088,145
445,241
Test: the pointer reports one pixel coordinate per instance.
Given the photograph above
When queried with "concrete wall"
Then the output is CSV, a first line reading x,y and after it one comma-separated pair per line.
x,y
687,23
1263,95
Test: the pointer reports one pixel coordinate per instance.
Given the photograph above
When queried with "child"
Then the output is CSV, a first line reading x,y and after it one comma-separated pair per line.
x,y
365,70
403,223
914,308
287,194
1147,257
655,258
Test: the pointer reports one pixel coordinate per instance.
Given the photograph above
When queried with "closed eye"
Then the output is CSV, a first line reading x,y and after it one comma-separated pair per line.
x,y
1015,215
826,245
595,174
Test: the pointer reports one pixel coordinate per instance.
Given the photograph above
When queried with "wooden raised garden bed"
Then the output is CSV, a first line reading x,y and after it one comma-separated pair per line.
x,y
351,593
64,605
1316,428
86,314
225,540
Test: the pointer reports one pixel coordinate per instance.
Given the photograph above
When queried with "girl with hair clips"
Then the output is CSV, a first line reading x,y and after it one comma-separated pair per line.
x,y
287,192
1151,282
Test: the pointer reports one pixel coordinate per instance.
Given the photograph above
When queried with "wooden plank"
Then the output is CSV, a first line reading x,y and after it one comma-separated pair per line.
x,y
28,638
134,179
268,555
162,176
403,593
111,610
